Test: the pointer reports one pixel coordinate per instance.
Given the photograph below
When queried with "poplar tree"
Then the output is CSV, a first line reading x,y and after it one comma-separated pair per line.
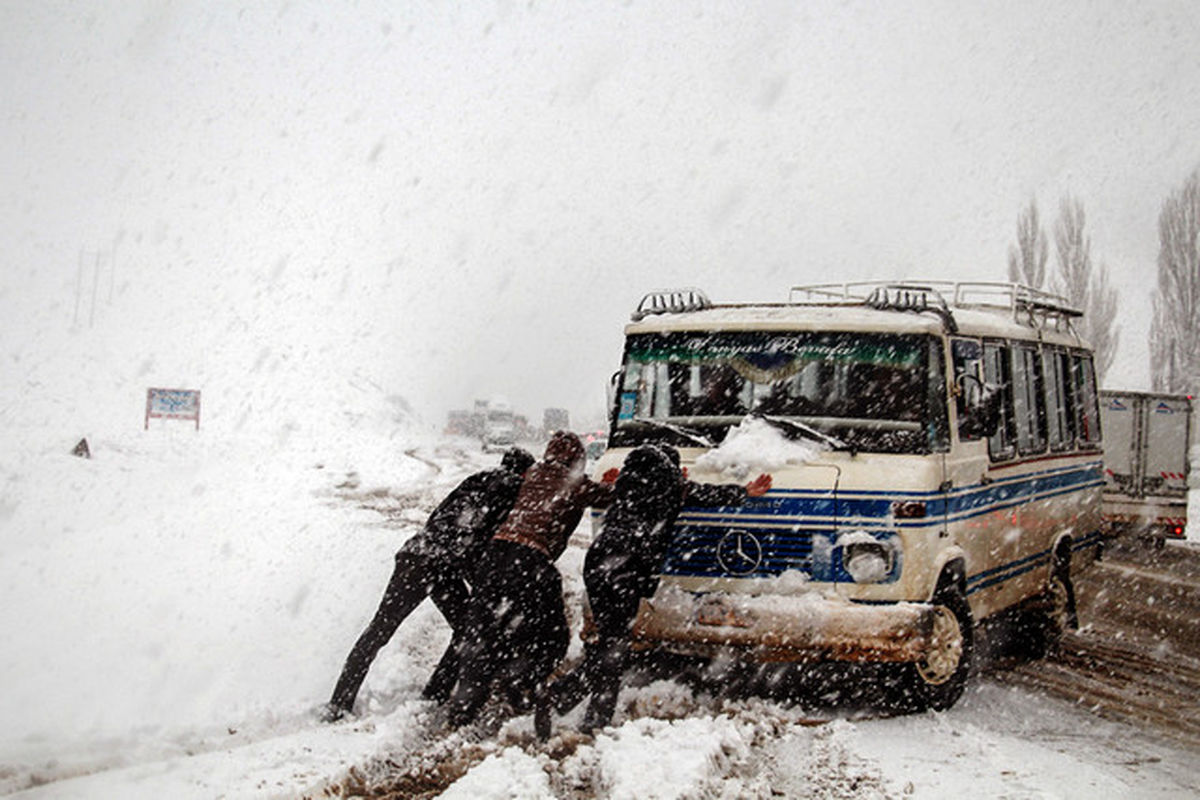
x,y
1086,287
1027,258
1175,328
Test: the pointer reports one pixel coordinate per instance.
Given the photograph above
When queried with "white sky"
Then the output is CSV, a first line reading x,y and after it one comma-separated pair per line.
x,y
478,194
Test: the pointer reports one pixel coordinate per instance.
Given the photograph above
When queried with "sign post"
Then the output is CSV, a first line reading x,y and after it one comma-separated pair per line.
x,y
173,404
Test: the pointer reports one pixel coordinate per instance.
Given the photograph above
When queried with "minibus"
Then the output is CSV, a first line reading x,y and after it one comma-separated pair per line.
x,y
947,467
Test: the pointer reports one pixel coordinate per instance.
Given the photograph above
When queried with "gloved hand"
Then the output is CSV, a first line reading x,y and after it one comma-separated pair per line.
x,y
759,486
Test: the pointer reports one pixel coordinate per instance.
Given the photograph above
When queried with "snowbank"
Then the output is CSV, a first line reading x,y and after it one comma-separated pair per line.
x,y
180,582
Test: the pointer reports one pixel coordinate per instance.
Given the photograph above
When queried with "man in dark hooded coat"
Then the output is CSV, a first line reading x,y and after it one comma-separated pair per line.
x,y
622,566
517,625
436,563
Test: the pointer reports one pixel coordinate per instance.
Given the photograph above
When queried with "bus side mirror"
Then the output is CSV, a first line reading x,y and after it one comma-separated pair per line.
x,y
612,398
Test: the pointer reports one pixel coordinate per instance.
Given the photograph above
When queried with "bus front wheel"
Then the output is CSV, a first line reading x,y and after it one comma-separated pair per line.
x,y
937,681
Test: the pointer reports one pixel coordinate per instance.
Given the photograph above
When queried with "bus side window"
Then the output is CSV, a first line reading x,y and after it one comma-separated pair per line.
x,y
998,371
1059,412
1029,408
1087,410
967,355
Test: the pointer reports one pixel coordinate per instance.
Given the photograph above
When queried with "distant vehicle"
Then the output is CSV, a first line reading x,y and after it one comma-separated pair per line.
x,y
1146,438
955,471
499,428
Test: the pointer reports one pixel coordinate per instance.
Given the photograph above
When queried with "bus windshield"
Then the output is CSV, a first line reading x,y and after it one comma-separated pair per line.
x,y
873,392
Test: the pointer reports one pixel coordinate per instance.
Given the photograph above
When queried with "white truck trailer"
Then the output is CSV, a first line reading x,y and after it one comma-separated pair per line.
x,y
1146,441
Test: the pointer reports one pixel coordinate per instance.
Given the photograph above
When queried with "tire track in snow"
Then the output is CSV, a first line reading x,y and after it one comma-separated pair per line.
x,y
1137,657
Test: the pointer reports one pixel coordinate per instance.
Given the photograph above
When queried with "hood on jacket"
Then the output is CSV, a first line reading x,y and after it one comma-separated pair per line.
x,y
517,460
647,473
670,452
565,448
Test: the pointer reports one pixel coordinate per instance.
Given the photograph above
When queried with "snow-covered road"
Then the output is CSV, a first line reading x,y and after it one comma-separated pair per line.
x,y
177,607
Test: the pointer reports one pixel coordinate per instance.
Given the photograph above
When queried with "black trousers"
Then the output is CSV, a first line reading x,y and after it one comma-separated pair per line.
x,y
516,630
417,575
615,586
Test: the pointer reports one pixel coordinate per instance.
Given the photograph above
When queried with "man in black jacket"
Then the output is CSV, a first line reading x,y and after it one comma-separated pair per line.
x,y
622,566
435,563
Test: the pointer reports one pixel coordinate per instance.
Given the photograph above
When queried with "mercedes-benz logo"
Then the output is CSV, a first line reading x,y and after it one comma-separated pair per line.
x,y
739,552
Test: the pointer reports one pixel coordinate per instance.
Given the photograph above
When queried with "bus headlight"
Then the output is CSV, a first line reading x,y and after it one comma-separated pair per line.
x,y
867,559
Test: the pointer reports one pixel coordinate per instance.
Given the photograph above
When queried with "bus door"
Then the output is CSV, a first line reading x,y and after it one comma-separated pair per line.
x,y
968,478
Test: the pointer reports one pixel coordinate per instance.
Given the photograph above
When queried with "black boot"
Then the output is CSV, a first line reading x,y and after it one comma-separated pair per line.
x,y
332,712
542,715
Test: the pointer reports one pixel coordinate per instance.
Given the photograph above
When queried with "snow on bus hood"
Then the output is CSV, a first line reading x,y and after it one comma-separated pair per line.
x,y
755,446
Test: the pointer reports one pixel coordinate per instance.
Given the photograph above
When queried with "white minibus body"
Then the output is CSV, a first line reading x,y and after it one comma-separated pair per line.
x,y
954,470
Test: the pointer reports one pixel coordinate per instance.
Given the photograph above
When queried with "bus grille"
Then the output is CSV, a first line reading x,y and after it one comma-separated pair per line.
x,y
737,552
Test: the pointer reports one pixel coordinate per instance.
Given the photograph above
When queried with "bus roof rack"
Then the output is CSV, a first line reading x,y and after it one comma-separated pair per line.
x,y
913,298
1035,308
671,301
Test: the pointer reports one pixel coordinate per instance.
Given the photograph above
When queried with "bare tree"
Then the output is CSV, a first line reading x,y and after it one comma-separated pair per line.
x,y
1087,288
1074,251
1027,258
1175,329
1100,327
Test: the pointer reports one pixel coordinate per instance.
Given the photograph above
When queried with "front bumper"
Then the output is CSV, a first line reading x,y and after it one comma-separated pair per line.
x,y
808,627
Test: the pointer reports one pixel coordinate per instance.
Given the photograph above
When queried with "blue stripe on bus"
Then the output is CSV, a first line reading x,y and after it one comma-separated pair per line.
x,y
983,499
797,516
1025,476
997,575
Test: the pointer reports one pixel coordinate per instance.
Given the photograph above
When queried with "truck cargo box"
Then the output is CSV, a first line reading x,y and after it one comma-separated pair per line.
x,y
1146,438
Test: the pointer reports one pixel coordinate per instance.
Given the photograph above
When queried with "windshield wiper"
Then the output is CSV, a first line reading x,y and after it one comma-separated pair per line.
x,y
806,430
674,428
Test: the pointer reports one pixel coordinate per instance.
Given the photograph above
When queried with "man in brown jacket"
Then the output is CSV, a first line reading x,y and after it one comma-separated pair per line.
x,y
517,623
